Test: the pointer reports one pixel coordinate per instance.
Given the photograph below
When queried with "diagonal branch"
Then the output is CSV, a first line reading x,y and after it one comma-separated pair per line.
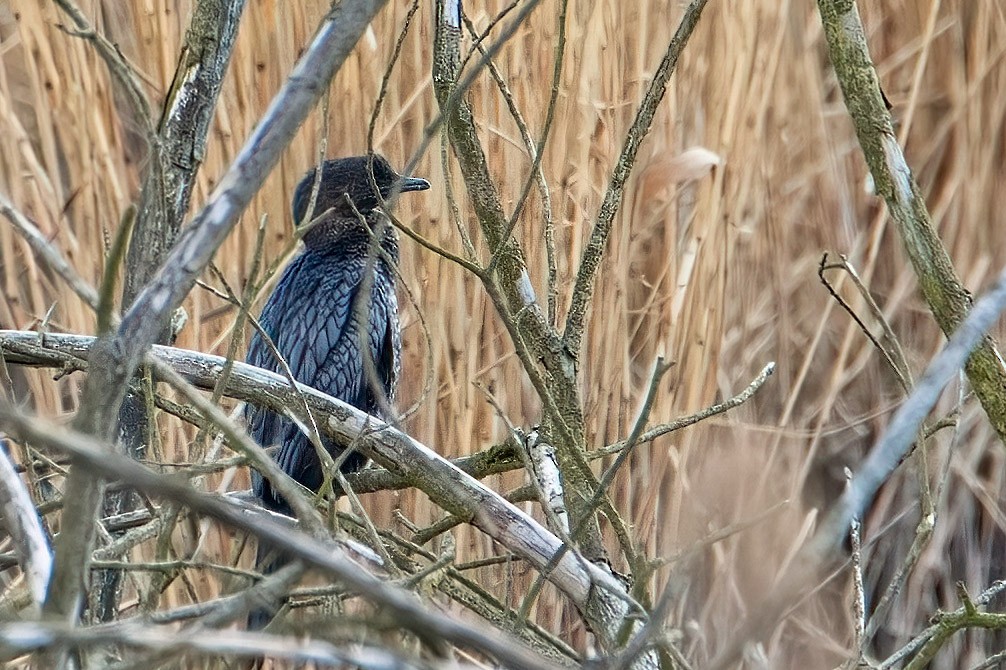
x,y
446,485
177,151
95,457
594,252
942,289
890,449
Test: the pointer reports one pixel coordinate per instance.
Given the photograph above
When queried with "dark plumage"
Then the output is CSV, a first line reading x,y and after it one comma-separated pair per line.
x,y
315,315
312,316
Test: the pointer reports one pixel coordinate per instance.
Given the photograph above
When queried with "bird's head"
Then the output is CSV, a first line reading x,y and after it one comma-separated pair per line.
x,y
348,179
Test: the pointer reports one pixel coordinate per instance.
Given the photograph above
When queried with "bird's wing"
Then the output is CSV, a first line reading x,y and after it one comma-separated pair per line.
x,y
310,318
306,317
344,372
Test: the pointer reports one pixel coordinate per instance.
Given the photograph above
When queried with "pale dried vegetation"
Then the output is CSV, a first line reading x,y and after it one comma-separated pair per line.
x,y
712,263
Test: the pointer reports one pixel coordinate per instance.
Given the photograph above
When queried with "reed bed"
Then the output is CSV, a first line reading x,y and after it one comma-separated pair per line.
x,y
712,263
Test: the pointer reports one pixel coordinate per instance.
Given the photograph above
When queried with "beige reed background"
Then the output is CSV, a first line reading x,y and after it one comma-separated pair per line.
x,y
715,269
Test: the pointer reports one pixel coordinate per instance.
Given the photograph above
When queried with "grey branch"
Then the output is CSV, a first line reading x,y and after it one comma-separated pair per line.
x,y
96,458
21,638
881,462
19,516
942,289
45,250
591,259
173,159
454,490
177,151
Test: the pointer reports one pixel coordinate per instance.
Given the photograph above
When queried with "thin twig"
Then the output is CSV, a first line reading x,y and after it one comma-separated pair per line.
x,y
590,261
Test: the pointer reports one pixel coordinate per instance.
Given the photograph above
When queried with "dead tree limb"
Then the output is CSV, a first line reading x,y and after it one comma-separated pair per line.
x,y
942,289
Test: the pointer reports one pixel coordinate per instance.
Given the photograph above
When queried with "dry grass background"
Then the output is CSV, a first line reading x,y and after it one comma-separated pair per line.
x,y
718,273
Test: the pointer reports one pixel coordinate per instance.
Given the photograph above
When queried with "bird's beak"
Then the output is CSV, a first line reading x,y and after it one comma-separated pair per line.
x,y
413,184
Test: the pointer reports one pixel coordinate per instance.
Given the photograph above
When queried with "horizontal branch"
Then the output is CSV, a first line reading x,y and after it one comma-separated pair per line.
x,y
25,637
445,484
881,462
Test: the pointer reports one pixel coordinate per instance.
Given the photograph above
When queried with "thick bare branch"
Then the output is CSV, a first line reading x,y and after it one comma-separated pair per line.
x,y
941,287
592,254
178,151
549,366
445,484
25,637
174,157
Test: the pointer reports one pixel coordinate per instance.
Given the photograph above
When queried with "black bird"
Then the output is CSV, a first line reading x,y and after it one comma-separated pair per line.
x,y
312,316
320,315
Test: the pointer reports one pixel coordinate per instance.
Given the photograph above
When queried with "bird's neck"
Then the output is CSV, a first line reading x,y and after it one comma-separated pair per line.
x,y
345,235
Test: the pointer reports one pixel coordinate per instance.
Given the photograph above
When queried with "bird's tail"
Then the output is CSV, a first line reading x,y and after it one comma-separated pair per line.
x,y
268,559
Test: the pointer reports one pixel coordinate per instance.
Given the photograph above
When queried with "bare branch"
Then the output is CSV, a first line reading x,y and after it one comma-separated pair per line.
x,y
922,638
177,151
100,461
174,157
875,470
592,254
122,71
511,270
17,510
49,253
21,638
692,419
942,289
445,484
547,363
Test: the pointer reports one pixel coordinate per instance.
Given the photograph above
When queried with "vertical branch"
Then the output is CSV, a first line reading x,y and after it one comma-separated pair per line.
x,y
510,270
174,157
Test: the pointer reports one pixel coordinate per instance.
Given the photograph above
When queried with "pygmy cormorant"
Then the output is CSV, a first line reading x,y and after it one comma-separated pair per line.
x,y
316,313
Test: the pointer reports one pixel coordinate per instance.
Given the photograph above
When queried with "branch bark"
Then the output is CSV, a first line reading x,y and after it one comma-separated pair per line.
x,y
446,485
942,289
431,626
174,157
594,252
538,344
